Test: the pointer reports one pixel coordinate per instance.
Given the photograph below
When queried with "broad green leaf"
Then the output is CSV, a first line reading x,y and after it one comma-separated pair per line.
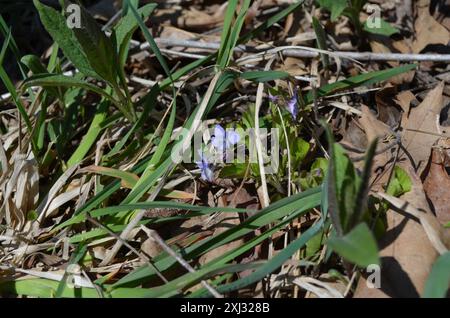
x,y
127,4
91,136
384,28
343,183
97,47
358,246
360,205
56,24
44,288
235,170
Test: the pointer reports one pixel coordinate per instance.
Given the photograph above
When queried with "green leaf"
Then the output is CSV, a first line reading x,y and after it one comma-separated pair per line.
x,y
321,41
437,284
56,24
359,80
97,47
226,29
264,76
91,136
124,30
34,64
400,183
360,205
336,7
236,170
127,4
56,80
384,28
234,35
342,186
358,246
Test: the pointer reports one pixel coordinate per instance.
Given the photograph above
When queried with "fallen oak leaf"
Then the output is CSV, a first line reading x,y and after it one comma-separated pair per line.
x,y
407,254
437,185
421,128
437,235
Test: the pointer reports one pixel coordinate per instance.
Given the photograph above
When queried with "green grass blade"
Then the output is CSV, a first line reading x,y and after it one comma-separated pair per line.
x,y
264,76
91,136
56,80
224,39
359,80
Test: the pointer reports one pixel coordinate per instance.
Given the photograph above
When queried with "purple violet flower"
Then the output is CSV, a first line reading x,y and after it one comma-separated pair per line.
x,y
223,140
273,98
207,172
292,105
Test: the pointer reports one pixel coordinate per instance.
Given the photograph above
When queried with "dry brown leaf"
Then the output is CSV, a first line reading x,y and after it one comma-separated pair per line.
x,y
198,20
226,221
404,99
240,199
372,126
388,112
437,185
406,252
428,30
421,127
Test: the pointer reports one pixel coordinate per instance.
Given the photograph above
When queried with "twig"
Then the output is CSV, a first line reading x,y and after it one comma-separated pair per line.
x,y
155,236
259,150
302,52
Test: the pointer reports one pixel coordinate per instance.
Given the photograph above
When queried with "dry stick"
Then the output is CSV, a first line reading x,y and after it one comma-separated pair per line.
x,y
259,150
118,238
303,52
155,236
